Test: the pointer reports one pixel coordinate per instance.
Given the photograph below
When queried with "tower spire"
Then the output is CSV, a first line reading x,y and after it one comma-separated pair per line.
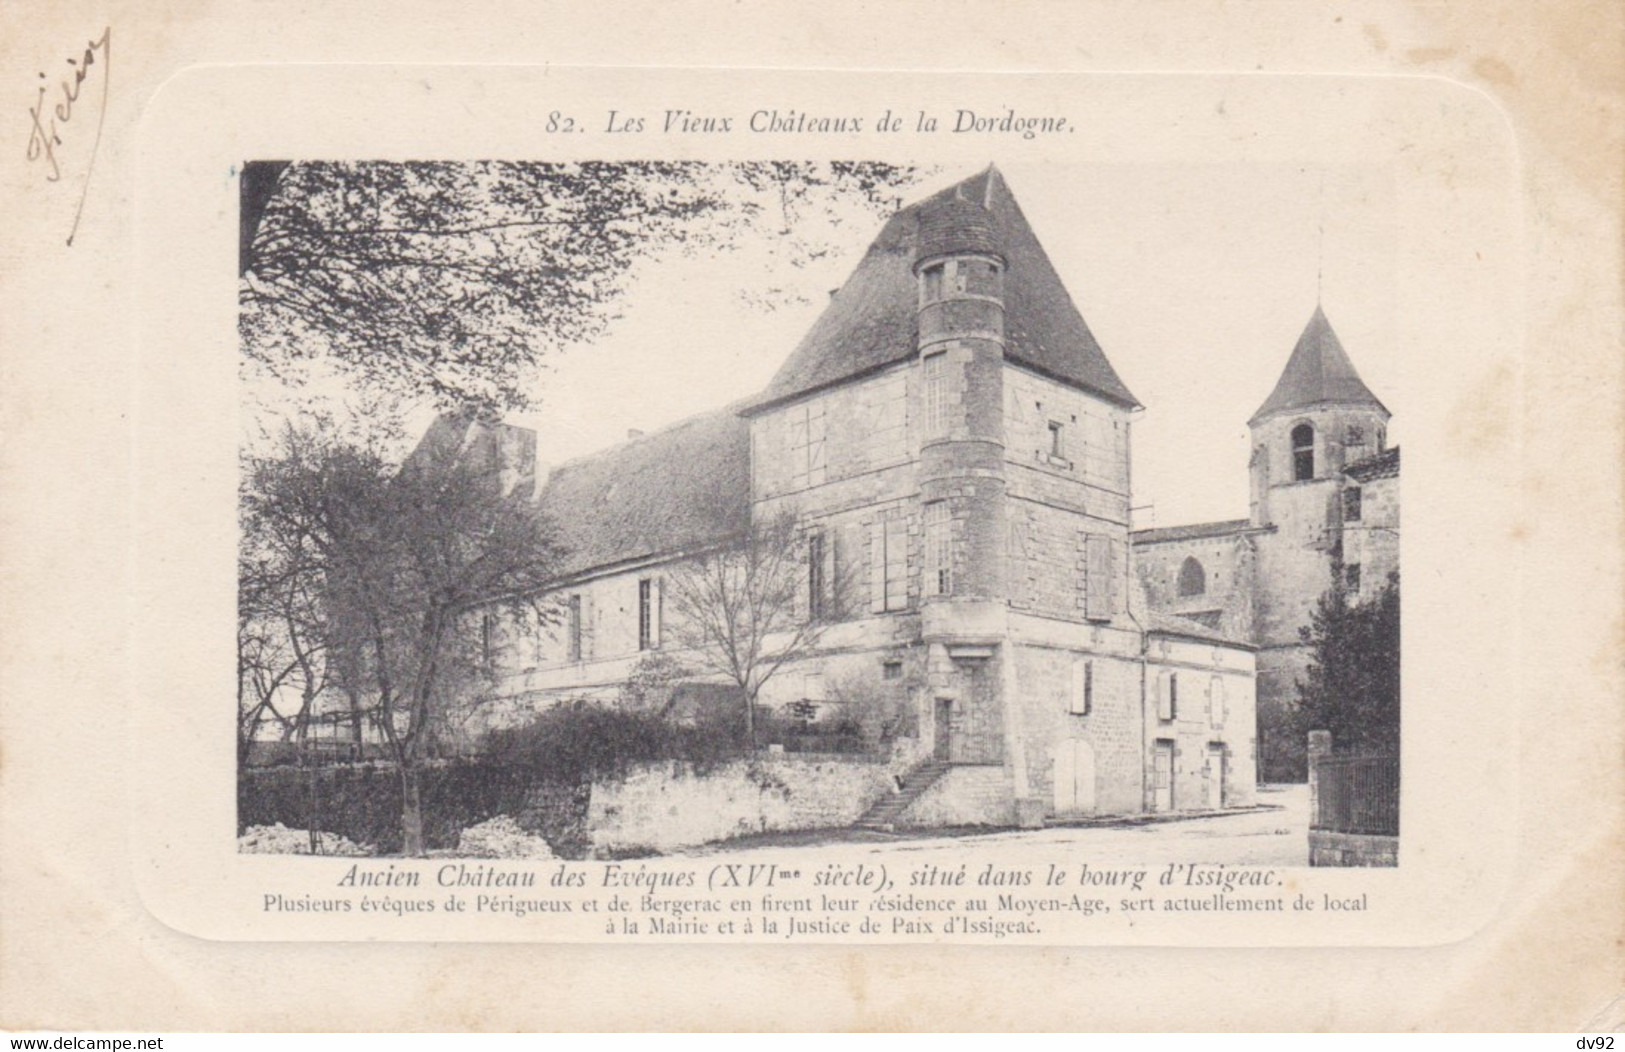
x,y
1320,242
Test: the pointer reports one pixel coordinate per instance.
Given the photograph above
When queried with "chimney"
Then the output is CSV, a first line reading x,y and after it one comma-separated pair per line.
x,y
632,433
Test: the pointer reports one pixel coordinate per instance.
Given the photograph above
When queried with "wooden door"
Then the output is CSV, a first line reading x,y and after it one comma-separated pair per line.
x,y
1215,777
1083,775
942,747
1162,776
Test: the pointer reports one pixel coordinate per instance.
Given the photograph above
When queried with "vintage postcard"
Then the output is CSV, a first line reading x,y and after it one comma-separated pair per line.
x,y
709,513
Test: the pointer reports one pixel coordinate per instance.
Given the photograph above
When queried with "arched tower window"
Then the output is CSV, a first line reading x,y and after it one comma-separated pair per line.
x,y
1303,453
1192,578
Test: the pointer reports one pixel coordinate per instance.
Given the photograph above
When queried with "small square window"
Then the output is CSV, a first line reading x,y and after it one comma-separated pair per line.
x,y
892,670
1057,440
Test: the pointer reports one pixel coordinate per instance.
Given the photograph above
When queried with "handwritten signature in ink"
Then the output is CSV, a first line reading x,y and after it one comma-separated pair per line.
x,y
49,120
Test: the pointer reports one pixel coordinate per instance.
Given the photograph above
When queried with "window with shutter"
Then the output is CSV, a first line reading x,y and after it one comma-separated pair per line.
x,y
888,565
816,586
877,567
1215,701
1165,695
1097,577
573,633
897,564
589,627
1083,687
815,443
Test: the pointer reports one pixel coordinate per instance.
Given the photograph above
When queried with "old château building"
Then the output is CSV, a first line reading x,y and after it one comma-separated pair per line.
x,y
950,436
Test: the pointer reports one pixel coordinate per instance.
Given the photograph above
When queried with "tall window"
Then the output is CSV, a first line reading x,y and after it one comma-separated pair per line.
x,y
1167,695
1192,577
1057,440
1303,453
888,565
648,614
1351,504
1351,574
573,625
816,602
1215,702
939,549
1100,593
807,456
488,638
1083,687
936,394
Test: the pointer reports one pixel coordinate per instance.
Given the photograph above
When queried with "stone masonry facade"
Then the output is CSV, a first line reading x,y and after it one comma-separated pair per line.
x,y
954,447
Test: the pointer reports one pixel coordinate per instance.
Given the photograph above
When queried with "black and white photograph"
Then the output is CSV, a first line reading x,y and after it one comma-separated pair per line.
x,y
870,519
882,581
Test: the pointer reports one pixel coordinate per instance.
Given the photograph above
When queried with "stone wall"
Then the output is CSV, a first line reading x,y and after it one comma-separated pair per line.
x,y
964,796
665,806
1352,849
1227,562
1108,736
1373,542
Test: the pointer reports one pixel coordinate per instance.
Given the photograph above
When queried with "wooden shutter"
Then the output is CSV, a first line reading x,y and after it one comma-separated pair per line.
x,y
589,626
657,606
815,443
1165,700
877,566
897,564
798,446
1119,577
832,590
1097,577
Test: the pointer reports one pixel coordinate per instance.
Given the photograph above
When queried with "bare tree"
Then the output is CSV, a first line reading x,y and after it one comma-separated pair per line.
x,y
404,565
764,600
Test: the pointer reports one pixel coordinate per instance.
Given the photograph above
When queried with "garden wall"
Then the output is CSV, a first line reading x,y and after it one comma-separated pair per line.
x,y
667,805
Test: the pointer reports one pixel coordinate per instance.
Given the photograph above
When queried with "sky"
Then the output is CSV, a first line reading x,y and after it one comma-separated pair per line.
x,y
1195,278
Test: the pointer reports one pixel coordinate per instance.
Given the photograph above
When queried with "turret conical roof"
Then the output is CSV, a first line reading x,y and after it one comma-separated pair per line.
x,y
1318,373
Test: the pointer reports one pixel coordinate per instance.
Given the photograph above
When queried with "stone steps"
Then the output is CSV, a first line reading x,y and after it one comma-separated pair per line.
x,y
884,814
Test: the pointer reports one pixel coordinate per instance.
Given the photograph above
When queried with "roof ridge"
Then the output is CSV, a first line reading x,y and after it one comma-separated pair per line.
x,y
872,319
732,408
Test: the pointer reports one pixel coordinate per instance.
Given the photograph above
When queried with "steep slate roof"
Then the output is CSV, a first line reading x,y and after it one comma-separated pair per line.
x,y
871,323
1190,532
1319,372
683,486
1384,465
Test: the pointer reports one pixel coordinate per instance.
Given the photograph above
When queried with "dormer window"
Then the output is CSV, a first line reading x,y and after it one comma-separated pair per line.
x,y
931,283
1303,453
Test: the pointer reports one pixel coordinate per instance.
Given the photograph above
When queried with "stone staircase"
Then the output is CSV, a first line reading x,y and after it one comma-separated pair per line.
x,y
883,815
